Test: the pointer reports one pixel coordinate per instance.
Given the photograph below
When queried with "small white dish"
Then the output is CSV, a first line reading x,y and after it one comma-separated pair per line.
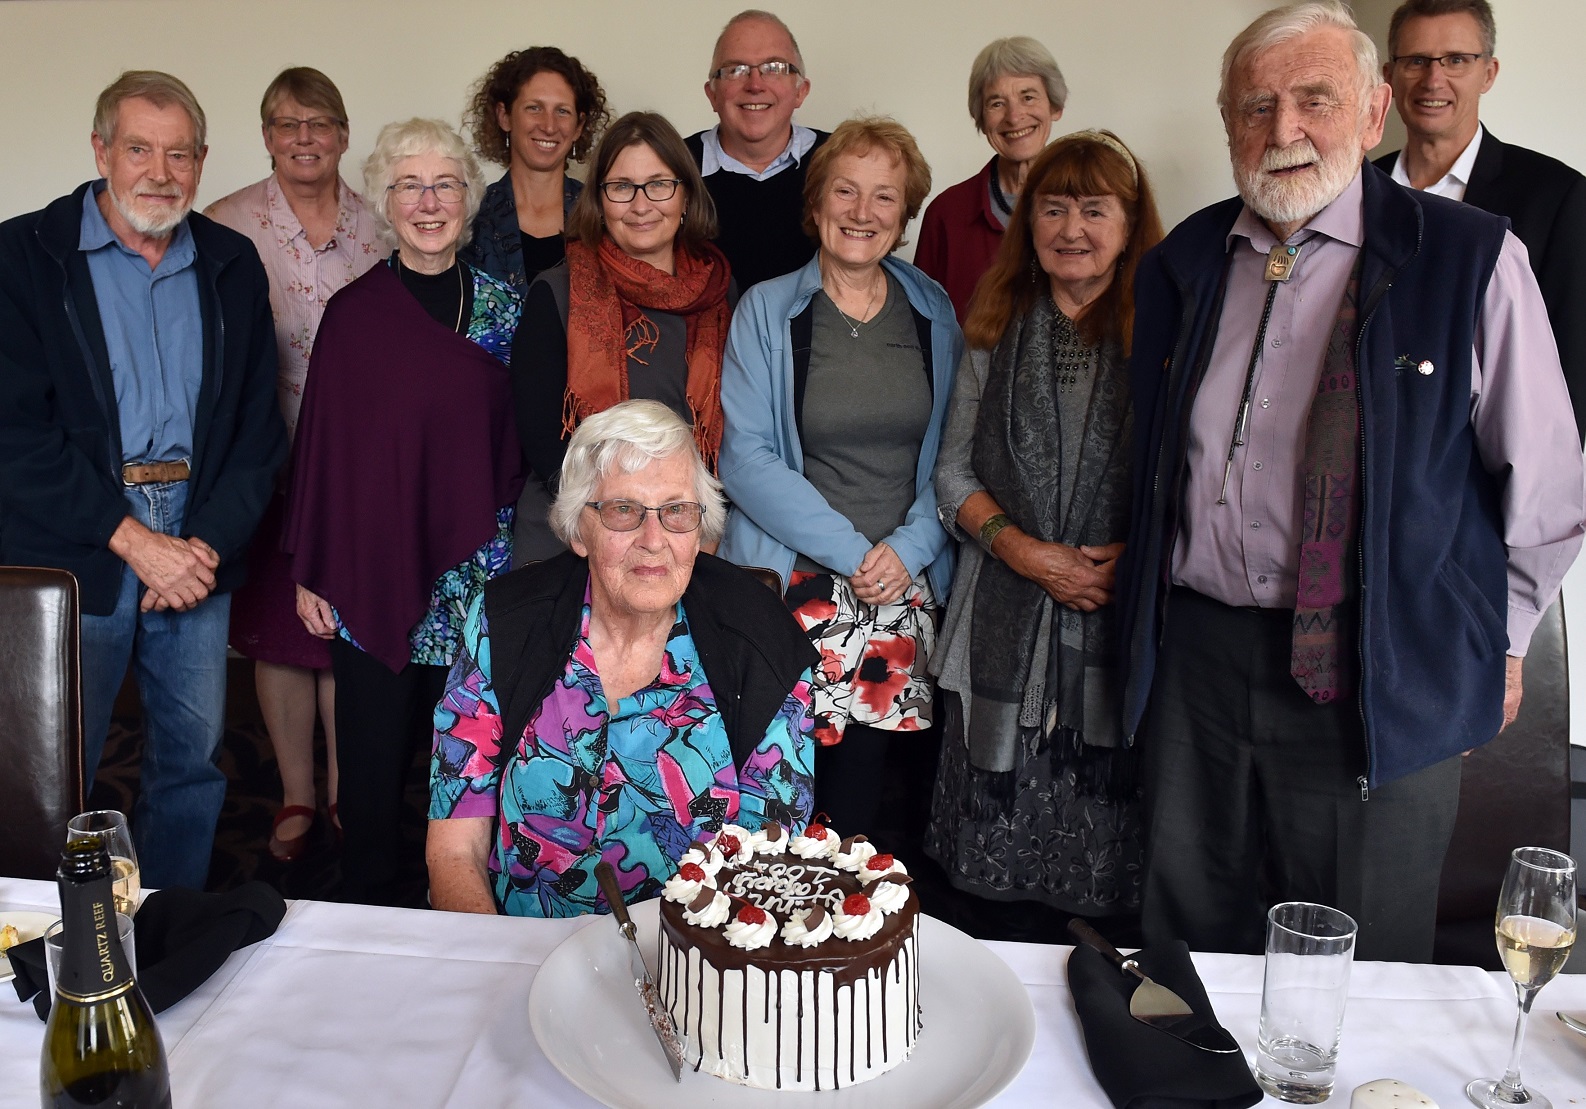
x,y
979,1028
29,926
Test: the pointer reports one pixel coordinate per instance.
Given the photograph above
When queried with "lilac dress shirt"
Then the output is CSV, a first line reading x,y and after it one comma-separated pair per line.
x,y
1246,552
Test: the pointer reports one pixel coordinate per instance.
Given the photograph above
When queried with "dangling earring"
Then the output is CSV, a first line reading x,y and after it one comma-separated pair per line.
x,y
682,219
1035,273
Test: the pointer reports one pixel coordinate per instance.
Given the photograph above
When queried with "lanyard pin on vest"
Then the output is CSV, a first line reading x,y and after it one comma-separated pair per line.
x,y
1324,585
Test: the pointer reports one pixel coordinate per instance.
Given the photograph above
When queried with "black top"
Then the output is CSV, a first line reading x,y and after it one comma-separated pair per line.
x,y
447,297
540,255
762,222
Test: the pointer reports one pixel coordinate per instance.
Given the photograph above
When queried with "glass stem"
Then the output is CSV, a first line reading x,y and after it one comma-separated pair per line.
x,y
1511,1076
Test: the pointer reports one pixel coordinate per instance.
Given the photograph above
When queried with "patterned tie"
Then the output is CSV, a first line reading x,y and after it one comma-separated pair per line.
x,y
1324,605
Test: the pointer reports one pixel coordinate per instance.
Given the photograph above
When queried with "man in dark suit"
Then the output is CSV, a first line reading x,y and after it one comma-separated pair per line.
x,y
1441,62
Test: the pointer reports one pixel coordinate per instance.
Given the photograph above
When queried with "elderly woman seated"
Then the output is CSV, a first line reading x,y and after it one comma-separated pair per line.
x,y
653,693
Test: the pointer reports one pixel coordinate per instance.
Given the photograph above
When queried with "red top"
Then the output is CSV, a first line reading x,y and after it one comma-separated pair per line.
x,y
959,237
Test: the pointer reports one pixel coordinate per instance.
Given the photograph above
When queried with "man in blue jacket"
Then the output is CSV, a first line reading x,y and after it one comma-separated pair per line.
x,y
139,437
1359,486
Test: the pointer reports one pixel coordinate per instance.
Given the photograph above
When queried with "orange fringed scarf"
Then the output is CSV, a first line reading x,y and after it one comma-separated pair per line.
x,y
606,325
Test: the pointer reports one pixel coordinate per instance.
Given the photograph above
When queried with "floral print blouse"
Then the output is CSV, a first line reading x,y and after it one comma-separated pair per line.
x,y
435,637
302,277
632,783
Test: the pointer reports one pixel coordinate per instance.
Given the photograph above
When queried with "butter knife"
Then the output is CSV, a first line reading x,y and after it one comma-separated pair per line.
x,y
660,1019
1155,1004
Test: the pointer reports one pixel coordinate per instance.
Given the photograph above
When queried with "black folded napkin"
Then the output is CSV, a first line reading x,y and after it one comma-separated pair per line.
x,y
1142,1067
182,937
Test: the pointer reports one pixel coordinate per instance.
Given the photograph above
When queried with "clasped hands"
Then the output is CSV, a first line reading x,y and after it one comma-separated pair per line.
x,y
881,578
178,573
1080,577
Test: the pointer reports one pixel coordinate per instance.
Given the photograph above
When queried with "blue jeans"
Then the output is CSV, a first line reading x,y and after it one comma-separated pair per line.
x,y
180,662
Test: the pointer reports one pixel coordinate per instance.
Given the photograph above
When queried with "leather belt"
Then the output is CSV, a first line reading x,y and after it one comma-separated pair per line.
x,y
151,473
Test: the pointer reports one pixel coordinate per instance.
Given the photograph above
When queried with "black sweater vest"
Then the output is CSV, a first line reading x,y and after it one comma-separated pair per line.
x,y
762,222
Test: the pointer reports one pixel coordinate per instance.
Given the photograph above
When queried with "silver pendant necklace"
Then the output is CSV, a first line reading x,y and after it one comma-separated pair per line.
x,y
852,324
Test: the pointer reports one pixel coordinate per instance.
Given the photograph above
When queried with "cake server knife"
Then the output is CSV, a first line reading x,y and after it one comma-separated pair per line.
x,y
1155,1004
660,1019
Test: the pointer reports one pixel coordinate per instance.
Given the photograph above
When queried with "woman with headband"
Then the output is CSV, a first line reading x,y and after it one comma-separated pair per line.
x,y
1033,480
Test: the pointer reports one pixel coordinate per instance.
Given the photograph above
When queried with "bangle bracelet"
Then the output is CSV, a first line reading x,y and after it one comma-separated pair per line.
x,y
992,528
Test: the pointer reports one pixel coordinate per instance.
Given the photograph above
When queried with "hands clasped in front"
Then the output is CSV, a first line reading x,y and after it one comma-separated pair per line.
x,y
881,578
178,573
1079,577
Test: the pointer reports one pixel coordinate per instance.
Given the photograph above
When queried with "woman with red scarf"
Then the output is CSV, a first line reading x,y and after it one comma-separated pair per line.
x,y
639,308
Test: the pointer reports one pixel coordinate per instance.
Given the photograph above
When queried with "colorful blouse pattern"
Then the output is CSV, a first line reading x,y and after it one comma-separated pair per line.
x,y
434,639
632,783
302,277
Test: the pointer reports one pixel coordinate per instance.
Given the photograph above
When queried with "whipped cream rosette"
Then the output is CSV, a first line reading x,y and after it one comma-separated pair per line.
x,y
709,910
817,842
687,883
853,853
769,840
889,894
704,856
877,866
751,928
735,844
807,927
858,919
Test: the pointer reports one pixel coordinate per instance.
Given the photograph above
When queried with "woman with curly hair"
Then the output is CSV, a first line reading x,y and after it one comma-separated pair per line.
x,y
536,110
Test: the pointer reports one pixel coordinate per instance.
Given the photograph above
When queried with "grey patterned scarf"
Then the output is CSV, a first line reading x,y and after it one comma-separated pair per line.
x,y
1037,664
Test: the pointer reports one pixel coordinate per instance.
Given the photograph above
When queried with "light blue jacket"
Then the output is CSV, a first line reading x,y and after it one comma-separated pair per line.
x,y
776,512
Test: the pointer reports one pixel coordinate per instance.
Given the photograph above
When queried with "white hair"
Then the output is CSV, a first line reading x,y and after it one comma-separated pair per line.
x,y
629,436
412,138
1275,27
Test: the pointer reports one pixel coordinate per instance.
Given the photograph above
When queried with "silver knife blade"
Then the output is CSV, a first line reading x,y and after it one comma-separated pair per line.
x,y
660,1020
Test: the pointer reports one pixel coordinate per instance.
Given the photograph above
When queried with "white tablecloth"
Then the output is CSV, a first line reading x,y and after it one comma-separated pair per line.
x,y
356,1006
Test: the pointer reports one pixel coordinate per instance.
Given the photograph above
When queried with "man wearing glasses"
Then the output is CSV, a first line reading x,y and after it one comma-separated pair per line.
x,y
1442,62
754,160
139,440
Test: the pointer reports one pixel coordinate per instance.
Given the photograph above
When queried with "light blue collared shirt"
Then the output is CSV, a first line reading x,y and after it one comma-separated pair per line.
x,y
714,158
154,334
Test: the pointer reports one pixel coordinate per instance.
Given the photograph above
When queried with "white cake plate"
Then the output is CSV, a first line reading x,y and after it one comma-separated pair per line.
x,y
979,1027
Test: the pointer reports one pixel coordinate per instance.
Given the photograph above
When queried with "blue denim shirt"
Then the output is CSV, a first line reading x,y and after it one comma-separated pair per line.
x,y
497,244
154,334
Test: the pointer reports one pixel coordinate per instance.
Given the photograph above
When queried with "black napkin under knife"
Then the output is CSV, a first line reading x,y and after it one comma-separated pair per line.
x,y
182,937
1141,1067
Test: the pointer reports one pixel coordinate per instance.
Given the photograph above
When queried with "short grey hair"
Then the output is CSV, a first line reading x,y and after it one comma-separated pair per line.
x,y
160,89
1275,27
629,436
412,138
1013,57
755,15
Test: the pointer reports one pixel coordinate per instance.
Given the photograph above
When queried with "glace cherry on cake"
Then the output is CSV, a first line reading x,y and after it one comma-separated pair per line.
x,y
791,962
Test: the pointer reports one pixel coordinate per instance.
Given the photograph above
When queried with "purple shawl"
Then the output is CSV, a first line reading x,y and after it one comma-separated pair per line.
x,y
405,450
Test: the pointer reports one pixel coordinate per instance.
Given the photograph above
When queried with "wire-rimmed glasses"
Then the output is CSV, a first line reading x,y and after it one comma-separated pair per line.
x,y
623,515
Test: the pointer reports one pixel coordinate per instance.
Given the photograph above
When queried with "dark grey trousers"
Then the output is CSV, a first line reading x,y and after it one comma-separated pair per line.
x,y
1252,797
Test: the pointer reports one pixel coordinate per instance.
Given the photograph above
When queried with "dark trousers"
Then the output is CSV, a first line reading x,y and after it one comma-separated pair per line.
x,y
878,784
382,720
1253,797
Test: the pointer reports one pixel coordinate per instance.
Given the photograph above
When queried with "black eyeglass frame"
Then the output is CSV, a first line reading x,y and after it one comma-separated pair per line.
x,y
638,187
1424,61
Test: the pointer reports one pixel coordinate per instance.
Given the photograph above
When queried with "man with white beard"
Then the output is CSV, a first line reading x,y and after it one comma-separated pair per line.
x,y
1358,486
139,440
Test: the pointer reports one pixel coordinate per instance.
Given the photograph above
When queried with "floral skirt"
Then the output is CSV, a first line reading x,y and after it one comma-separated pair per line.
x,y
1044,831
872,668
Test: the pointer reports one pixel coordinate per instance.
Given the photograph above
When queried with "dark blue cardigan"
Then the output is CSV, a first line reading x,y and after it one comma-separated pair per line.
x,y
61,496
1432,564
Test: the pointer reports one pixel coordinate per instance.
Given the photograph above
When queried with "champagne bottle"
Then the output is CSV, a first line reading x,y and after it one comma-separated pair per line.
x,y
101,1046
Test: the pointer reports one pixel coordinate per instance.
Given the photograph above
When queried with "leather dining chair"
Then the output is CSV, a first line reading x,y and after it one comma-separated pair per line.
x,y
41,718
1514,792
768,577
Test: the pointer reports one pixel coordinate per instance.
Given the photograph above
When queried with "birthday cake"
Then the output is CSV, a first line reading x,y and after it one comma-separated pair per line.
x,y
791,962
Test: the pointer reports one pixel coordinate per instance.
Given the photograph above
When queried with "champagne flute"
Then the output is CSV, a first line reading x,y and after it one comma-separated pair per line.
x,y
111,826
1536,930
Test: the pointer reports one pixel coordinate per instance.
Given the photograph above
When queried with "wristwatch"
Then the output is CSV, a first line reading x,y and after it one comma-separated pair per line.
x,y
991,528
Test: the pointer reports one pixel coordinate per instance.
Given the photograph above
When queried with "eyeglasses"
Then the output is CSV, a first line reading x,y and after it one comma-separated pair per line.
x,y
285,127
623,192
621,515
739,71
1453,64
409,193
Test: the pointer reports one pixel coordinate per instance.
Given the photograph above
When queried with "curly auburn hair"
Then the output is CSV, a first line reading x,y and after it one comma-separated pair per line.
x,y
501,85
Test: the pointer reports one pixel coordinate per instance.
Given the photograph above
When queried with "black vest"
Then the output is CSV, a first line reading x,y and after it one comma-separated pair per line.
x,y
762,222
752,650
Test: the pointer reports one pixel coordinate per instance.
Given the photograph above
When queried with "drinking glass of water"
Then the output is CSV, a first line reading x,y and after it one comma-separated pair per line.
x,y
1536,932
1310,949
111,827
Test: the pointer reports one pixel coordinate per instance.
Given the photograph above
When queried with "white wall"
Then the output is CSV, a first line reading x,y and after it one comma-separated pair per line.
x,y
1147,69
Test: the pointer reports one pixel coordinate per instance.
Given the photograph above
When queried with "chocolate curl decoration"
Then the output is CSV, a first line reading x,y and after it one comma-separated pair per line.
x,y
900,879
701,846
812,919
773,831
847,845
702,901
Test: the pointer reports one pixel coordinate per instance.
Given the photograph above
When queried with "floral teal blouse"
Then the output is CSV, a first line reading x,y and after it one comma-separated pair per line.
x,y
632,783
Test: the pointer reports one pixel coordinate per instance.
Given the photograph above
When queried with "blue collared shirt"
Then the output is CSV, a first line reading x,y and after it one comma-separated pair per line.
x,y
714,158
154,334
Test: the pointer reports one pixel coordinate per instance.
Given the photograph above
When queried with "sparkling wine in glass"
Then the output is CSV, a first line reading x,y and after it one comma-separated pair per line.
x,y
1535,931
111,826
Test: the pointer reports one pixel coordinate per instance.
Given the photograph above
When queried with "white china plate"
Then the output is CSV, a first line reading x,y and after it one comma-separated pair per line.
x,y
979,1027
29,926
